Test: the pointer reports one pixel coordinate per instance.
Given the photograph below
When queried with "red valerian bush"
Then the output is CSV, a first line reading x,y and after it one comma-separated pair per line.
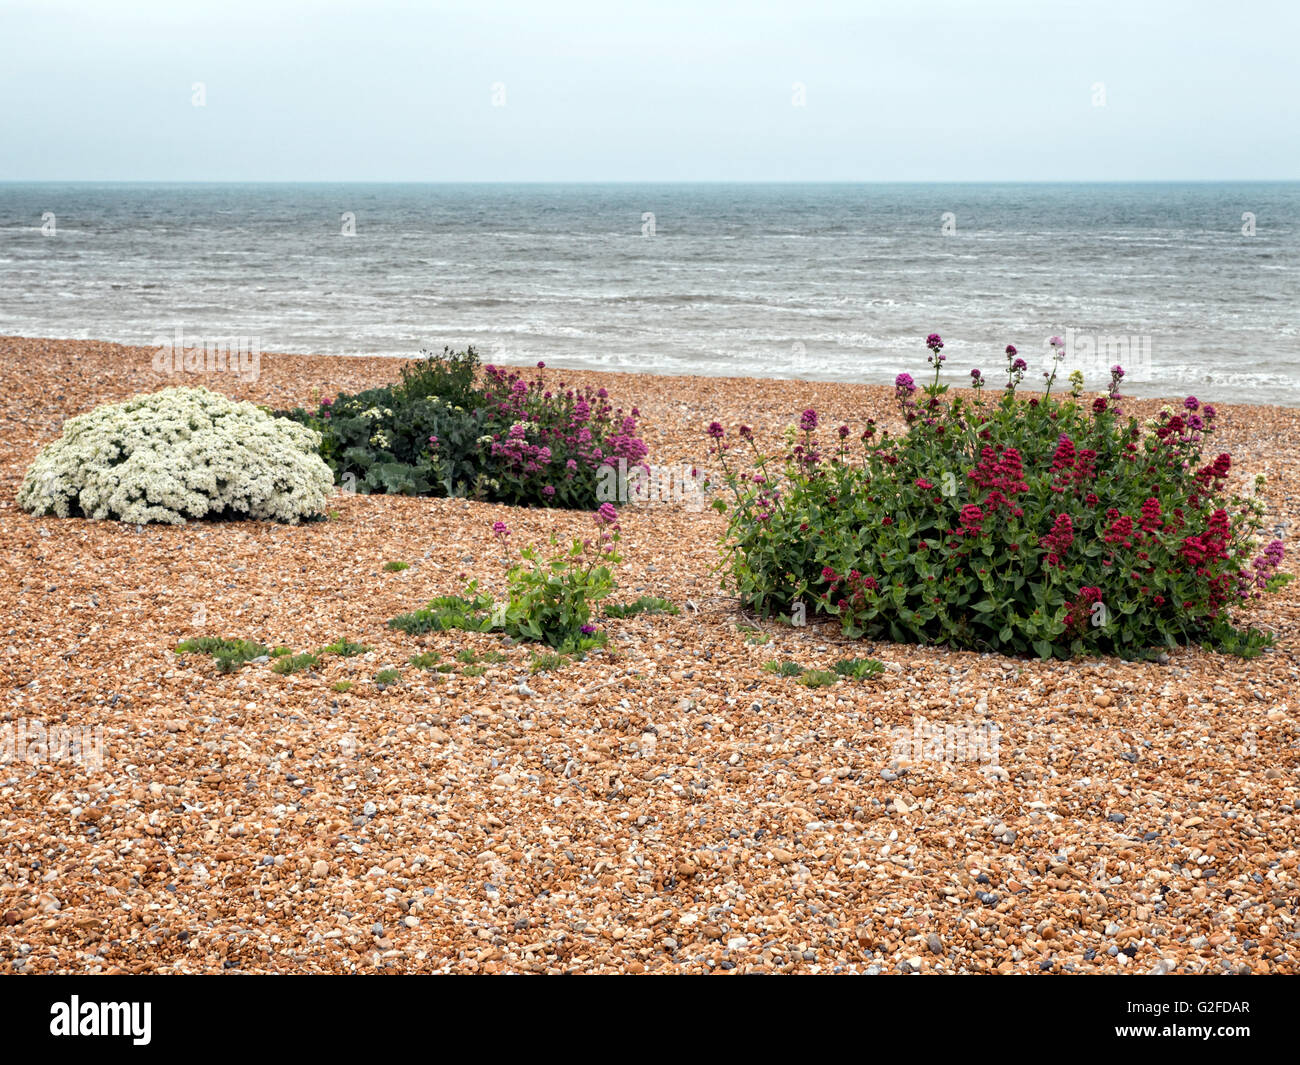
x,y
1043,525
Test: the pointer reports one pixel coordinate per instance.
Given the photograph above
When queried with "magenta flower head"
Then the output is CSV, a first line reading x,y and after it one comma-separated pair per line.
x,y
746,433
1056,342
975,375
433,440
808,420
1117,372
1011,351
541,366
1019,364
904,385
716,431
1209,411
326,402
588,629
1191,403
500,530
607,515
844,432
934,342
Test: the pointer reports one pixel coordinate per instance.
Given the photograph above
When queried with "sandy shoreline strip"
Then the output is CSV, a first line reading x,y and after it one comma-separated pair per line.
x,y
664,806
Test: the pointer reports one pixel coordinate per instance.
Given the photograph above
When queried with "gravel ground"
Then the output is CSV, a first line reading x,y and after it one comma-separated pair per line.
x,y
665,806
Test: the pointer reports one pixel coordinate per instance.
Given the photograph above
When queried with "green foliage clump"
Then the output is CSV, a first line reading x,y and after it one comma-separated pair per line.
x,y
646,604
444,429
783,669
229,655
471,657
431,660
387,677
344,647
858,668
396,567
548,661
294,663
445,612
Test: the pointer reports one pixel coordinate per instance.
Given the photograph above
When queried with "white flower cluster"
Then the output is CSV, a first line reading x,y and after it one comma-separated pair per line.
x,y
176,454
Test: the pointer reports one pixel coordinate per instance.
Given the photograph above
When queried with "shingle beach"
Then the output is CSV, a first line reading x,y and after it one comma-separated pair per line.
x,y
666,805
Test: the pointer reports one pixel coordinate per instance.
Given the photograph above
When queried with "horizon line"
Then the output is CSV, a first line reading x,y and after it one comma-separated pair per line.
x,y
651,181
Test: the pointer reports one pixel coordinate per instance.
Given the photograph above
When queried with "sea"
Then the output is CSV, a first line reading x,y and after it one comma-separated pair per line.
x,y
1192,287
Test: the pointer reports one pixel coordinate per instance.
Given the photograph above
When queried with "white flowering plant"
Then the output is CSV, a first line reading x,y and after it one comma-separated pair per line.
x,y
178,454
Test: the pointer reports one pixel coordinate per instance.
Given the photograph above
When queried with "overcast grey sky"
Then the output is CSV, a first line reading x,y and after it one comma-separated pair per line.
x,y
384,90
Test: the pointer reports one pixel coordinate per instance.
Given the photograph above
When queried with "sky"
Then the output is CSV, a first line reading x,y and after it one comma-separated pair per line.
x,y
555,90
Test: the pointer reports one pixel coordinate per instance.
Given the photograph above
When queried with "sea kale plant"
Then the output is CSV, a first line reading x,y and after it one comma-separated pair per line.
x,y
176,455
1048,525
446,429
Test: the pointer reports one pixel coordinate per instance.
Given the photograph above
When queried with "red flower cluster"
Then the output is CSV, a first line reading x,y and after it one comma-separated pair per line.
x,y
1058,541
853,589
1079,615
1151,519
1210,545
1120,530
972,521
1004,474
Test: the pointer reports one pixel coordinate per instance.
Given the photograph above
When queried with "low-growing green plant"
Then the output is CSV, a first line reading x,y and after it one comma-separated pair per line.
x,y
387,677
858,668
473,671
783,669
646,604
342,686
229,655
548,661
471,657
1047,526
431,660
548,599
396,567
448,612
279,652
818,678
294,663
344,647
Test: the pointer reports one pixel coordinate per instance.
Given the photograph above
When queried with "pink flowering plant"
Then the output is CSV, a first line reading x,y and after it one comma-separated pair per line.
x,y
548,443
1047,524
